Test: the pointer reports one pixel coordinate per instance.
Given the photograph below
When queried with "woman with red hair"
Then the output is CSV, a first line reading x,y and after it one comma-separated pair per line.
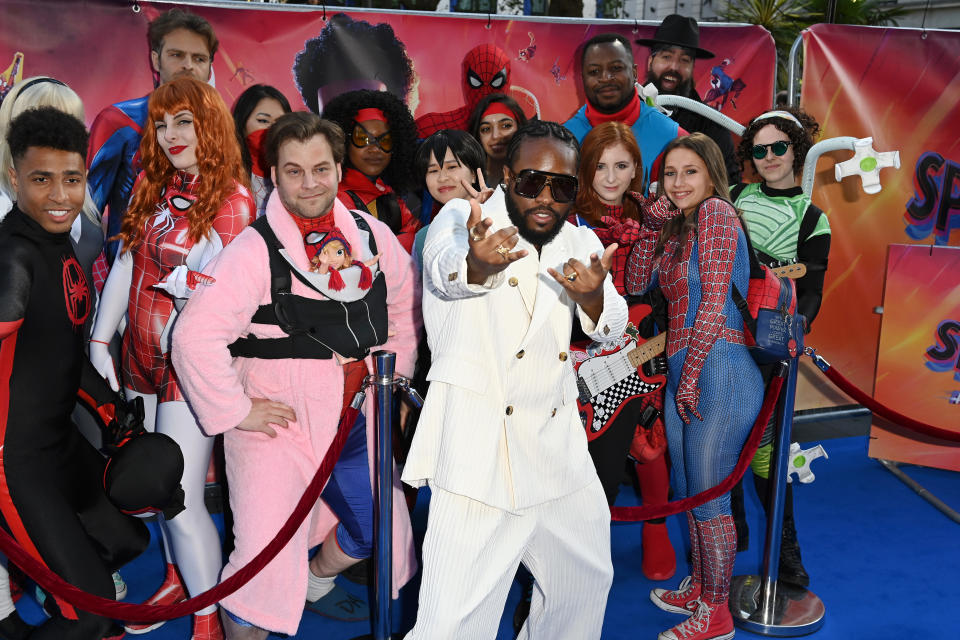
x,y
189,201
610,162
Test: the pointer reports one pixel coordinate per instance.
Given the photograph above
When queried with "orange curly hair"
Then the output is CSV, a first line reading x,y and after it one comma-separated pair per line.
x,y
218,158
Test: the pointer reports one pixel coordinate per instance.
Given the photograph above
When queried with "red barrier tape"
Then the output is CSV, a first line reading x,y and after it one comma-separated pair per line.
x,y
884,412
647,512
156,613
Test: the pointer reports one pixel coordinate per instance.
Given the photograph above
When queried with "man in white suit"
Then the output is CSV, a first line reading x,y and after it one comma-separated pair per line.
x,y
499,441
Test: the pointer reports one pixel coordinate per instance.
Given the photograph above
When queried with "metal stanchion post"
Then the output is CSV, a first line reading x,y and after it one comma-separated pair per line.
x,y
759,603
385,362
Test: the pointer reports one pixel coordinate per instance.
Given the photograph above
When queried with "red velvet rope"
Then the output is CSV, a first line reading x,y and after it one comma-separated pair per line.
x,y
885,412
155,613
647,512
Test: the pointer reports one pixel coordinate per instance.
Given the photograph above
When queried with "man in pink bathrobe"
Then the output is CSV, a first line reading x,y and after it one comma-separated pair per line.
x,y
274,372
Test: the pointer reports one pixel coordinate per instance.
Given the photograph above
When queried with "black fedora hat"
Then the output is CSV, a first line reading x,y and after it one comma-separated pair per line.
x,y
677,31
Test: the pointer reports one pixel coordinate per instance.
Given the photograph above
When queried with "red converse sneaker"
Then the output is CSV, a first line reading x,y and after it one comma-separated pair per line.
x,y
708,622
684,600
170,592
207,627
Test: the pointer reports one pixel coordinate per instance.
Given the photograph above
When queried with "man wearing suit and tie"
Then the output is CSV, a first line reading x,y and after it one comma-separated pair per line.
x,y
500,441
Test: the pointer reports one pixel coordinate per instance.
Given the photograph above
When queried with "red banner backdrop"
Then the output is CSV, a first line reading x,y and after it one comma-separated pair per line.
x,y
918,366
99,48
902,87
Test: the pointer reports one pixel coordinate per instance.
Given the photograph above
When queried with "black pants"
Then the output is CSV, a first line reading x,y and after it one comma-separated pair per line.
x,y
57,509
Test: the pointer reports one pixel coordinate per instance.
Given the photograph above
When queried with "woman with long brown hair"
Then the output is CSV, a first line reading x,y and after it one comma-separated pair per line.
x,y
692,241
188,203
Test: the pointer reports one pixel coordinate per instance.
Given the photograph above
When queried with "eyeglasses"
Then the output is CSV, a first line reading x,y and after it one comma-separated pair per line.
x,y
530,182
362,138
779,148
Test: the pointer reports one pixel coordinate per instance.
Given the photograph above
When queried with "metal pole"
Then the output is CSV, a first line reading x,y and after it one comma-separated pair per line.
x,y
758,603
792,71
385,362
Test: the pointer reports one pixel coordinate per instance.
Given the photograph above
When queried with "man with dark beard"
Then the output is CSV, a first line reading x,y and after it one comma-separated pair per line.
x,y
609,76
499,441
674,48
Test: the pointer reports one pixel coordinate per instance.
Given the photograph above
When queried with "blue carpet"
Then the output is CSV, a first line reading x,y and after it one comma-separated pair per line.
x,y
881,559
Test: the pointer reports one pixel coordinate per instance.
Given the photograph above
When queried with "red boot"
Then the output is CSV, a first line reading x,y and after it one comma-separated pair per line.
x,y
206,626
170,592
659,559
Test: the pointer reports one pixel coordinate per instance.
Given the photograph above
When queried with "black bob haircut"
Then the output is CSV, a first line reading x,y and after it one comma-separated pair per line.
x,y
541,129
349,49
343,110
465,148
46,127
245,105
605,38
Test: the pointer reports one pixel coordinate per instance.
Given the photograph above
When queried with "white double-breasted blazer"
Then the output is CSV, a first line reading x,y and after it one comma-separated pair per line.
x,y
500,423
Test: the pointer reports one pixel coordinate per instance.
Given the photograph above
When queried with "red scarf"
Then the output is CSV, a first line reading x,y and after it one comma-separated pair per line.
x,y
628,115
362,186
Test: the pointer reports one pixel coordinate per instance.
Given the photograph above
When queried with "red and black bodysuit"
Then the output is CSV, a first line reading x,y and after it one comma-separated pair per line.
x,y
51,493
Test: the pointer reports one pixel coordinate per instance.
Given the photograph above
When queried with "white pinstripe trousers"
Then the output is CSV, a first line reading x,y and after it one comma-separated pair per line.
x,y
471,552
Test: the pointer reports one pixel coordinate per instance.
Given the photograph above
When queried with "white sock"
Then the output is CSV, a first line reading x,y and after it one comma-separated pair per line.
x,y
318,587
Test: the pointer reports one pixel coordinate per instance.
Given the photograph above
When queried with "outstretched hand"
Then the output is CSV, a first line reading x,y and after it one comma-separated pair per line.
x,y
490,253
584,284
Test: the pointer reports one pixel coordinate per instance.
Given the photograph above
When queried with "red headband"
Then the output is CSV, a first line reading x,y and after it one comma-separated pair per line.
x,y
499,107
370,114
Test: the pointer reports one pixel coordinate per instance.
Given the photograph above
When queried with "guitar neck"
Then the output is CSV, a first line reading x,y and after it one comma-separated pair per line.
x,y
648,350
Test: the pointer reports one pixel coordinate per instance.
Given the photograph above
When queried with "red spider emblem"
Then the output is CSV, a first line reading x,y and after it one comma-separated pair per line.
x,y
76,293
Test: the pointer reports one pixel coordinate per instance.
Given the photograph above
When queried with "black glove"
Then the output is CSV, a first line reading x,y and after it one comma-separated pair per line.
x,y
124,423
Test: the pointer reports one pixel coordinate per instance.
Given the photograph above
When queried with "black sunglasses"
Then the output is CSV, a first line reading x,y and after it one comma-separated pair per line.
x,y
362,138
779,148
530,182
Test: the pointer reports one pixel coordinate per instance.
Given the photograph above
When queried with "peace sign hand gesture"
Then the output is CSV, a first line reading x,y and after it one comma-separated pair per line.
x,y
484,193
490,253
584,284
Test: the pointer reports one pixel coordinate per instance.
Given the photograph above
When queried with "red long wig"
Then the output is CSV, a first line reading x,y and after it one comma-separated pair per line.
x,y
218,158
599,139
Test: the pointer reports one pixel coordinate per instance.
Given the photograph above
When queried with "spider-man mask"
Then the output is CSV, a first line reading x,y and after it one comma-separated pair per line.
x,y
486,70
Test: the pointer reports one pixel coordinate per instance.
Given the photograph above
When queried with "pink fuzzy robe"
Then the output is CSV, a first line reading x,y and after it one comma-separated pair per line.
x,y
268,475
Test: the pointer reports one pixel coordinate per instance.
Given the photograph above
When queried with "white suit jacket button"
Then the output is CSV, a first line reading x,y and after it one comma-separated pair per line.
x,y
563,356
509,410
513,282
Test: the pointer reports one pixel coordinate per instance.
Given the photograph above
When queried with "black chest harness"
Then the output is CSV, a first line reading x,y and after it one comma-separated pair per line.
x,y
315,328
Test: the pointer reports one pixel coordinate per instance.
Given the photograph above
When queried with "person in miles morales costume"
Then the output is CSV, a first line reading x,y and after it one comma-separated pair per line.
x,y
51,493
486,70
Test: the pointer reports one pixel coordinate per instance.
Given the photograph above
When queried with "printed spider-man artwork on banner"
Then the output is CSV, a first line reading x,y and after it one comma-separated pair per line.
x,y
486,70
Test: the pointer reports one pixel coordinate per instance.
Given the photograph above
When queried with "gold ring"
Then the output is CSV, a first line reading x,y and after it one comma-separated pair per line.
x,y
571,277
502,250
476,237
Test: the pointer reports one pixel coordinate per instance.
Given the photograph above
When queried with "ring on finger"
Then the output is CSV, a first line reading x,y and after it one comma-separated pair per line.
x,y
502,250
474,234
571,277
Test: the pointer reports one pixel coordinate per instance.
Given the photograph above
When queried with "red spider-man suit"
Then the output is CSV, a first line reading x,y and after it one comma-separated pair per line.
x,y
486,70
166,246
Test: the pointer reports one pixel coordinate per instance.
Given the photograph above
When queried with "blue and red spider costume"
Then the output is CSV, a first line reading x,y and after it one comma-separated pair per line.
x,y
714,390
113,161
486,70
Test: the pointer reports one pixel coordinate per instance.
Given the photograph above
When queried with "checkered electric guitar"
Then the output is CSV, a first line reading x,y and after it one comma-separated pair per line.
x,y
612,375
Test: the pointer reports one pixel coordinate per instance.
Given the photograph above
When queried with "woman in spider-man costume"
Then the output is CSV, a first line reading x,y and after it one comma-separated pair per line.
x,y
188,203
692,240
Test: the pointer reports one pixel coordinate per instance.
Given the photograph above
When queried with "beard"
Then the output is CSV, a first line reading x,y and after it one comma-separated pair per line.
x,y
684,87
519,220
